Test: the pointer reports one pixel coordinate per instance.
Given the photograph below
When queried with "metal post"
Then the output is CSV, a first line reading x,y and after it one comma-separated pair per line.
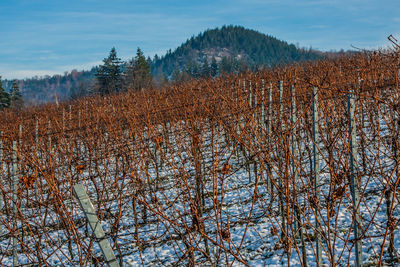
x,y
63,121
294,145
250,96
14,200
70,114
269,126
269,132
316,171
20,135
262,111
354,178
79,131
255,96
49,133
36,133
244,87
94,223
280,189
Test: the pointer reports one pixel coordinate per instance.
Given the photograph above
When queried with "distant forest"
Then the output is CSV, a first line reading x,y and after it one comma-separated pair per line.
x,y
229,49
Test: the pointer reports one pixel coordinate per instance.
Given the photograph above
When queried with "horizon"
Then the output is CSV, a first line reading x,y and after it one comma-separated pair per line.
x,y
43,38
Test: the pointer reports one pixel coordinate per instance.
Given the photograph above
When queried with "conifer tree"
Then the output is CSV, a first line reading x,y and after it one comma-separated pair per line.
x,y
15,96
109,74
4,97
137,74
214,67
205,69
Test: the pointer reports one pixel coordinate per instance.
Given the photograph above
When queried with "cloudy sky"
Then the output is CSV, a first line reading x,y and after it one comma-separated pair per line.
x,y
39,37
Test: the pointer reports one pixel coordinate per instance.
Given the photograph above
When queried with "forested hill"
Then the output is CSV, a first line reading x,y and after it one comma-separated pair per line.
x,y
233,44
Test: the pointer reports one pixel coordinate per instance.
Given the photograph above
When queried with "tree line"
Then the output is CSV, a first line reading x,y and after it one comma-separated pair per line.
x,y
115,76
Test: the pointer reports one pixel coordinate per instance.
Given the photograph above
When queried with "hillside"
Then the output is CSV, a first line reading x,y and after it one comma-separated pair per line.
x,y
233,42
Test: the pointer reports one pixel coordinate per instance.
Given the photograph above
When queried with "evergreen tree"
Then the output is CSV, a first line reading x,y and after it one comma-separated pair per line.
x,y
214,67
16,96
225,66
109,74
205,69
137,74
4,97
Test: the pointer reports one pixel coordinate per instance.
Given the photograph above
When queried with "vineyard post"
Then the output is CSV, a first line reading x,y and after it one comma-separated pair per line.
x,y
316,172
295,176
79,131
36,133
280,192
294,147
364,163
49,127
63,121
255,100
255,118
14,199
237,94
395,148
70,114
262,114
354,178
269,132
95,225
269,128
280,103
20,135
37,153
250,96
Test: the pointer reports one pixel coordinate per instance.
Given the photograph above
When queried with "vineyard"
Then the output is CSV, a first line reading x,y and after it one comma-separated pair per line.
x,y
297,165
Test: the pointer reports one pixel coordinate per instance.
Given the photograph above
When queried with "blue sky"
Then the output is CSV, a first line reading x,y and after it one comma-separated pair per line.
x,y
40,37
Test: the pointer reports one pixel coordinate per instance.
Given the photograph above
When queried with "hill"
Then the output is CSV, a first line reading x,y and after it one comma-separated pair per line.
x,y
239,45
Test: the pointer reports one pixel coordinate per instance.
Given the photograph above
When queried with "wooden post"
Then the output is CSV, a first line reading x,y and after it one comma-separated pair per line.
x,y
354,178
316,172
94,223
14,200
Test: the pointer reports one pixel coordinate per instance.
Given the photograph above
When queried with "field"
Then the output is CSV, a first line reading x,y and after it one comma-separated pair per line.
x,y
296,165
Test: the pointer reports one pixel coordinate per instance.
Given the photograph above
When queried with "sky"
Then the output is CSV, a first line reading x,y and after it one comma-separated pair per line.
x,y
39,37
